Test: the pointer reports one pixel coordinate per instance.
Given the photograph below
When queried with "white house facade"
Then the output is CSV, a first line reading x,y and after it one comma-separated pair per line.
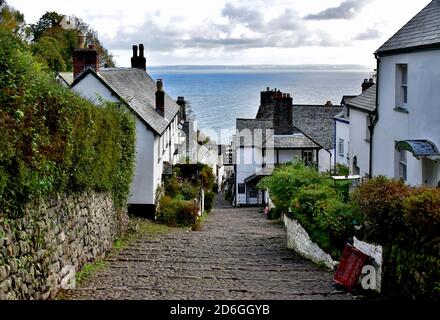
x,y
407,134
275,137
158,136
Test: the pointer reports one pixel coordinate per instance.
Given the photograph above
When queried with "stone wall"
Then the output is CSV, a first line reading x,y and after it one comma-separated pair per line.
x,y
299,240
52,238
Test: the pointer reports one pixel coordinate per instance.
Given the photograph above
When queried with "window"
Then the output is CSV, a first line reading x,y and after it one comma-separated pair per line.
x,y
252,192
241,188
402,165
341,147
308,157
401,85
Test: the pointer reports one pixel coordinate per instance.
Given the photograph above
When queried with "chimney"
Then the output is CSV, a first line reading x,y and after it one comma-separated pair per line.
x,y
160,98
84,58
282,114
367,84
329,104
139,61
182,104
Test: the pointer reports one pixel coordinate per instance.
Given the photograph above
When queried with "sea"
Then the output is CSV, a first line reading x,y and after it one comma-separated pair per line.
x,y
218,95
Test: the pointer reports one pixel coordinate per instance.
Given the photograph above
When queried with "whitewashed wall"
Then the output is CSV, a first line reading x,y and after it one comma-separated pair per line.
x,y
423,119
359,145
148,170
342,132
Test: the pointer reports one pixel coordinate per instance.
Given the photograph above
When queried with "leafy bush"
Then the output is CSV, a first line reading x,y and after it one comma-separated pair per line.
x,y
422,218
178,213
411,274
286,181
209,201
382,202
189,191
342,170
406,221
53,141
328,220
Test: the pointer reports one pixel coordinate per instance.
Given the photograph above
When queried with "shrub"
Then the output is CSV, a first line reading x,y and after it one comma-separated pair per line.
x,y
287,180
411,274
52,141
422,218
189,191
381,200
209,201
172,187
178,213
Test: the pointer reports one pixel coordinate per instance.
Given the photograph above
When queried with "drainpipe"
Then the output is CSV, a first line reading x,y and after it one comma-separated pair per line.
x,y
375,115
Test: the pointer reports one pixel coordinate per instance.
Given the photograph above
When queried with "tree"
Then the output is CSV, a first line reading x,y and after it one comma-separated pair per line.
x,y
105,58
11,19
50,20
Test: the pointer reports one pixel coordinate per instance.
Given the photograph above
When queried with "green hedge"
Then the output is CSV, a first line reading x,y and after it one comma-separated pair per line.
x,y
406,221
316,202
53,141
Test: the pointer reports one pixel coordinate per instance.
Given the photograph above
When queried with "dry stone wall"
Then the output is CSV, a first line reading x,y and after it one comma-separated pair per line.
x,y
54,238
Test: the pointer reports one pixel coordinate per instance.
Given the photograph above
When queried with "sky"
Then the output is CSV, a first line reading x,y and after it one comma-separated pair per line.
x,y
238,32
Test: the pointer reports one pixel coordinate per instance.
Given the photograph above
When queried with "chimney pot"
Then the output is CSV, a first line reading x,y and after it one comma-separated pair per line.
x,y
135,51
81,40
85,58
139,62
141,50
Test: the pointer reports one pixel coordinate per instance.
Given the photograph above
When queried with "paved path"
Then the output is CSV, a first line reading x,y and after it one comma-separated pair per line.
x,y
238,254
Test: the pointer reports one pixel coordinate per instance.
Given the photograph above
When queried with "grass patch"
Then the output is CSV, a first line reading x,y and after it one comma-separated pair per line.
x,y
89,269
139,227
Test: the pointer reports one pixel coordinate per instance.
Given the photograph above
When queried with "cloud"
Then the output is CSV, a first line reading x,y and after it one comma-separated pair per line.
x,y
243,15
245,28
346,10
369,34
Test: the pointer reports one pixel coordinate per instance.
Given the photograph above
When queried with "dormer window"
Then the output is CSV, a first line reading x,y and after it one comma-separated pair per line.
x,y
401,85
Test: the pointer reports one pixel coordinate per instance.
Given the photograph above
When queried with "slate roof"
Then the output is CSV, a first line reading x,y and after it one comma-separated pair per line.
x,y
138,90
422,30
419,148
317,122
297,140
256,138
366,100
67,77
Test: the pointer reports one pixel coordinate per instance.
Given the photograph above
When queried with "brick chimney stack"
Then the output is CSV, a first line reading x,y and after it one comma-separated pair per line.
x,y
367,84
139,61
84,58
160,98
282,113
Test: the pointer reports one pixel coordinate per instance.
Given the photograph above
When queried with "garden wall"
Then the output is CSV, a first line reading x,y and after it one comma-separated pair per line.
x,y
38,250
298,239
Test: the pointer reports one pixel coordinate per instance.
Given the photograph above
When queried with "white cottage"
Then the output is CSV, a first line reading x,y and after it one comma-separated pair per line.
x,y
281,133
157,119
407,134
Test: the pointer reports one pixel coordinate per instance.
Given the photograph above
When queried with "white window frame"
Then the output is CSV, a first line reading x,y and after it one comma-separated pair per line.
x,y
341,147
401,85
403,165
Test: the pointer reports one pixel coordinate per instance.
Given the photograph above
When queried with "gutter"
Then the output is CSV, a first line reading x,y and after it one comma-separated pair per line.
x,y
374,117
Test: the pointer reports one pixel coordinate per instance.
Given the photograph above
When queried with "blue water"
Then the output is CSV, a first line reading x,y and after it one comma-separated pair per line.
x,y
220,95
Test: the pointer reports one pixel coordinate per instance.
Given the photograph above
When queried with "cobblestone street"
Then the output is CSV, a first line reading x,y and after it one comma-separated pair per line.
x,y
238,254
